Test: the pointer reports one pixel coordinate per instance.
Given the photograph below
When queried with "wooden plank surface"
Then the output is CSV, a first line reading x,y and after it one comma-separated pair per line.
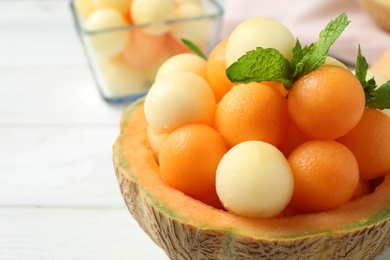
x,y
58,193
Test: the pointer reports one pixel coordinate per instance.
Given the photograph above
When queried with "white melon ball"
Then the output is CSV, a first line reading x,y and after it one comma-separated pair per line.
x,y
259,32
123,6
197,30
122,79
254,179
107,43
155,141
177,99
183,62
84,7
333,61
155,12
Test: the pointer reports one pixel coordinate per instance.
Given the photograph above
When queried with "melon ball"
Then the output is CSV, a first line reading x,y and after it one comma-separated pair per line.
x,y
144,50
259,32
155,141
84,7
120,5
122,79
183,62
333,61
254,179
155,12
177,99
197,30
107,43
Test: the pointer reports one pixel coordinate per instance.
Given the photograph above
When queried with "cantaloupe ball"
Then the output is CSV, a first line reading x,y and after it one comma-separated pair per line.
x,y
120,5
254,179
144,49
111,42
189,62
333,61
155,12
84,7
122,79
197,31
177,99
259,32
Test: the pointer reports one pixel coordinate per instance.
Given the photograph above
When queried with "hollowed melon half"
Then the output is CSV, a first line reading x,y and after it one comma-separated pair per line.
x,y
188,229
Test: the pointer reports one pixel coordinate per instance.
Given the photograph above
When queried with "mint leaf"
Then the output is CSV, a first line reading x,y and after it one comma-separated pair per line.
x,y
194,48
261,65
380,97
315,54
361,69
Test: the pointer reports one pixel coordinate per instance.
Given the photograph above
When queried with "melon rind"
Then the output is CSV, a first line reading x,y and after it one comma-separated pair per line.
x,y
174,221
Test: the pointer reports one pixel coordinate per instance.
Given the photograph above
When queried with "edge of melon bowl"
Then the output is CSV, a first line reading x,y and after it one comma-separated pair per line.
x,y
186,228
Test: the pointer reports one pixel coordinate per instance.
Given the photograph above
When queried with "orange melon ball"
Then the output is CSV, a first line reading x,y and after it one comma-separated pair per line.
x,y
179,98
254,179
216,71
326,103
259,32
144,49
155,141
363,188
153,12
189,158
326,175
176,46
196,30
253,111
369,141
188,62
107,43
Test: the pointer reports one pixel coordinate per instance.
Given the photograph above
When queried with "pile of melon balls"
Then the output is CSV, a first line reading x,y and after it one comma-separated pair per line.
x,y
129,57
253,178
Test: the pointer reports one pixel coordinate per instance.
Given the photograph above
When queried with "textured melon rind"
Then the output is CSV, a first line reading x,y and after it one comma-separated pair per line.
x,y
183,233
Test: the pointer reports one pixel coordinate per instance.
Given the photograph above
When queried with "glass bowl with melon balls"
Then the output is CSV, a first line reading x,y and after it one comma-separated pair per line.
x,y
280,152
126,41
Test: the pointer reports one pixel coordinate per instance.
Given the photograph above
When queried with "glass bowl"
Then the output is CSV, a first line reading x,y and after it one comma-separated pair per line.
x,y
124,56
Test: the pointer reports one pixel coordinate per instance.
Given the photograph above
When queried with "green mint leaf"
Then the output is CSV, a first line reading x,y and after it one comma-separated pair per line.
x,y
316,53
380,97
261,65
361,69
194,48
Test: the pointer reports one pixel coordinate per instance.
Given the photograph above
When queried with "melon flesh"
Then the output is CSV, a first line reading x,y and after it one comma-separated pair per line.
x,y
189,229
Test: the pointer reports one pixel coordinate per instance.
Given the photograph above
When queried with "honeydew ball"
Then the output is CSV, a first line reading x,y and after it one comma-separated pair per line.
x,y
183,62
155,140
259,32
333,61
254,179
107,43
155,12
122,79
197,31
120,5
177,99
84,7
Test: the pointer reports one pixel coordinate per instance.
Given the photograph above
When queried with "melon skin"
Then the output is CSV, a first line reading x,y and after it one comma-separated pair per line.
x,y
184,238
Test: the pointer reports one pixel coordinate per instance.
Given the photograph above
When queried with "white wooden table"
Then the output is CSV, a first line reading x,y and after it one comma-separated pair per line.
x,y
58,194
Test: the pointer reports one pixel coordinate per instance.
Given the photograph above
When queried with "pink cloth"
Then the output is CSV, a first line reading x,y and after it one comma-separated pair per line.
x,y
306,18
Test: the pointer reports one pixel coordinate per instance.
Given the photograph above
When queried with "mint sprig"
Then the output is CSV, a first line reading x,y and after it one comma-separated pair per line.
x,y
304,59
376,97
194,48
261,65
